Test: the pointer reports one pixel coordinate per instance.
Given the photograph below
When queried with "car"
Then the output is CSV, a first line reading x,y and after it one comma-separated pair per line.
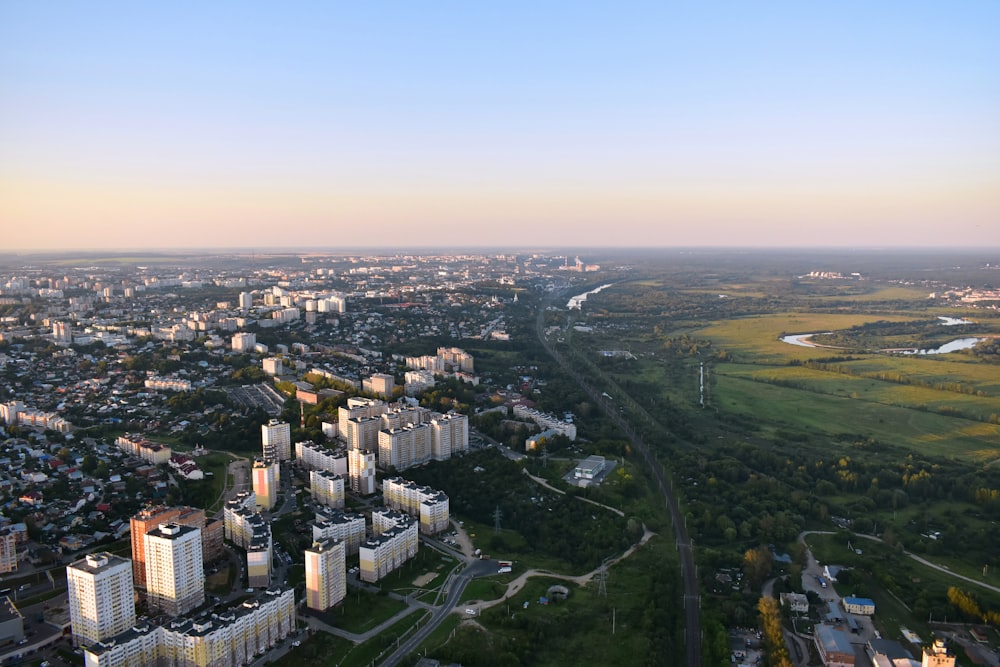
x,y
296,643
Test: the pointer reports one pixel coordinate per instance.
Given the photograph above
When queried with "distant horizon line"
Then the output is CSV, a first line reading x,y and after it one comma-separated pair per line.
x,y
422,250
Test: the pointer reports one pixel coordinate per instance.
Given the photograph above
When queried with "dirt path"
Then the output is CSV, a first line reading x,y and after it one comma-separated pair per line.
x,y
560,492
580,580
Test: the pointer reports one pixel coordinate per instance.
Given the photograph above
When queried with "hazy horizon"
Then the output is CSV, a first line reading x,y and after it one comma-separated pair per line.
x,y
566,125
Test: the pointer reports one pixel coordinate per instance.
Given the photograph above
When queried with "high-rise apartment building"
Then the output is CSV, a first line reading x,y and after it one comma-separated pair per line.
x,y
401,448
175,577
362,432
100,597
326,580
449,435
361,471
429,506
276,440
319,457
244,342
266,476
396,541
225,639
381,384
246,300
359,408
347,527
327,488
152,516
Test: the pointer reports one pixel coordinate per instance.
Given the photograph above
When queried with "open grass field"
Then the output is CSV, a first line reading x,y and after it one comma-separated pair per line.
x,y
909,428
871,390
757,338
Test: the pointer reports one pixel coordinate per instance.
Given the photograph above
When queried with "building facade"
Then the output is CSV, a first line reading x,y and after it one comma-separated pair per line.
x,y
361,471
175,576
327,488
326,578
266,477
276,440
100,597
429,506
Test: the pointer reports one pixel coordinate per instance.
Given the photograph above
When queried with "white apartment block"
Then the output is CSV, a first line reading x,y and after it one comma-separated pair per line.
x,y
546,421
456,359
381,384
259,559
246,300
285,315
234,637
429,506
167,384
10,410
417,382
138,446
347,527
361,471
391,547
449,435
175,577
359,407
233,514
244,342
326,578
100,597
401,448
276,440
312,456
327,488
273,366
400,415
266,478
362,432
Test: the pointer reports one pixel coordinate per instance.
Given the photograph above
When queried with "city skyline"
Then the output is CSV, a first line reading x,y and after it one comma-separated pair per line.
x,y
564,125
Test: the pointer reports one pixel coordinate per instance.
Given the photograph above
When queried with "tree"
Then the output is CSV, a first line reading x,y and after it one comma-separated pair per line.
x,y
757,565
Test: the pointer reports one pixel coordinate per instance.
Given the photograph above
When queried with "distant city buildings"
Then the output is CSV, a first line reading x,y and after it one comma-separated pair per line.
x,y
244,342
395,541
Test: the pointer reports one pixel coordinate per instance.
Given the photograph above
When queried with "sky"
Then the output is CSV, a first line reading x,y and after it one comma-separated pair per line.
x,y
460,124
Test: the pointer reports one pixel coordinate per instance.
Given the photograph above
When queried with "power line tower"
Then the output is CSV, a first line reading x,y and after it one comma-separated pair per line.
x,y
497,515
602,584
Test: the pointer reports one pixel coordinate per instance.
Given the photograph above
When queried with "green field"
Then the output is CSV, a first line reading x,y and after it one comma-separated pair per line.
x,y
830,414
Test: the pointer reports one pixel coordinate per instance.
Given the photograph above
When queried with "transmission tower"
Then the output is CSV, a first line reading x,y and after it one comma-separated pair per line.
x,y
602,582
497,515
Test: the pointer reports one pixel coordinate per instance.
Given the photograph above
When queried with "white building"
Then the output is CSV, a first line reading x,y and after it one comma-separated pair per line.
x,y
244,342
449,435
361,471
326,578
100,597
175,578
347,527
228,639
401,448
396,541
276,440
428,505
327,488
312,456
273,366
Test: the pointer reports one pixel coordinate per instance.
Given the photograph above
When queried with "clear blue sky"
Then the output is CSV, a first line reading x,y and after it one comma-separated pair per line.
x,y
461,123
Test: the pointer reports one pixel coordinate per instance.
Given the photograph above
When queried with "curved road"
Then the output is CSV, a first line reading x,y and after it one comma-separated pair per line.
x,y
692,600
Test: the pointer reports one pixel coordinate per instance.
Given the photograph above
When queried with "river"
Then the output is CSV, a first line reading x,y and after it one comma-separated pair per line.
x,y
576,302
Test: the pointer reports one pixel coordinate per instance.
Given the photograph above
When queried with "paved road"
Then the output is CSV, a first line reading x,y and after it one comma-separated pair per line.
x,y
692,599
